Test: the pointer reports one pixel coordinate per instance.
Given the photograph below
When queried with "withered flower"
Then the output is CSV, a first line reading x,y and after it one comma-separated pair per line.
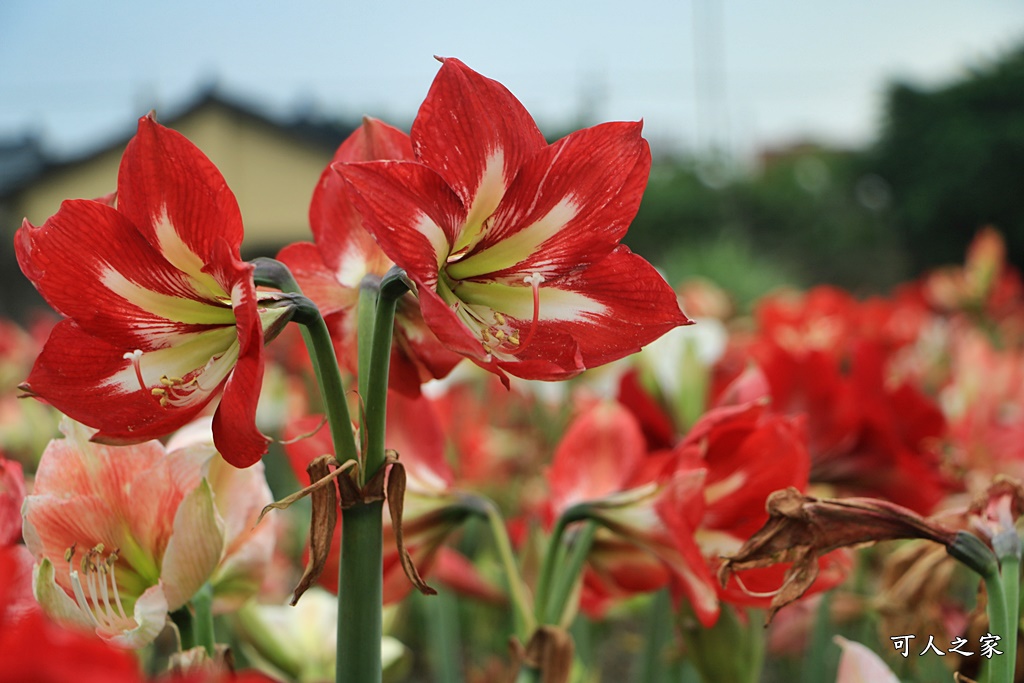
x,y
802,528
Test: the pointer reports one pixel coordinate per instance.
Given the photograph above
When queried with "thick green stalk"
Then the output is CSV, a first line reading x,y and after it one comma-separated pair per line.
x,y
524,619
202,619
367,313
1005,622
554,557
1010,573
569,573
441,613
652,666
360,579
999,669
360,595
394,285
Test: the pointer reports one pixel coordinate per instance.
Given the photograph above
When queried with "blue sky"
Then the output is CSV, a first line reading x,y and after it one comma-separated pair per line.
x,y
739,74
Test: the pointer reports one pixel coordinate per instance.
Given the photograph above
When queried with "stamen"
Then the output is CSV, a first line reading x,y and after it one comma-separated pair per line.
x,y
83,604
111,561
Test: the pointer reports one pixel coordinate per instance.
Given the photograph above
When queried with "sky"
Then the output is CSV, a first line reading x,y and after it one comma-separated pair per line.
x,y
732,74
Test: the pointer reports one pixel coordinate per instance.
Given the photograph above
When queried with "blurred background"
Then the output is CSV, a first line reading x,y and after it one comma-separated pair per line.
x,y
852,142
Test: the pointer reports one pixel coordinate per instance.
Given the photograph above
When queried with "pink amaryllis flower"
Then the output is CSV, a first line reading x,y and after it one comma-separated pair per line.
x,y
331,271
514,243
123,535
161,313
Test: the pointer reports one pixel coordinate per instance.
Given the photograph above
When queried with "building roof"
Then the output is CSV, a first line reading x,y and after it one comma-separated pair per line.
x,y
23,160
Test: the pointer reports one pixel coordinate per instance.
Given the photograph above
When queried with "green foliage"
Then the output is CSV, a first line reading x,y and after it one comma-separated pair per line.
x,y
954,158
811,216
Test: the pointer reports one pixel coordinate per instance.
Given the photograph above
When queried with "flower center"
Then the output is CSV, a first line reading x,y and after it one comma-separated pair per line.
x,y
195,385
95,588
497,333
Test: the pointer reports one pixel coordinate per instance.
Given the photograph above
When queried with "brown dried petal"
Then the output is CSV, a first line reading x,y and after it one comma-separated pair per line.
x,y
396,504
321,526
800,529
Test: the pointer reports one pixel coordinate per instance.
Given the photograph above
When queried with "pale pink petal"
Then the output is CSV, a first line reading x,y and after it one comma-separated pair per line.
x,y
57,603
194,549
150,616
859,664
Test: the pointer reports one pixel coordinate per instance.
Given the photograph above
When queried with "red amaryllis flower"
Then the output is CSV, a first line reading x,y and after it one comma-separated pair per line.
x,y
330,272
649,511
513,243
833,358
161,313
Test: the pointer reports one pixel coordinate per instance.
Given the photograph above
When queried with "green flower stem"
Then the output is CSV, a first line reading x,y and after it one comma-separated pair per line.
x,y
275,274
1010,578
202,619
554,557
267,641
652,666
441,613
524,619
394,285
366,312
569,574
999,668
1007,548
360,595
360,579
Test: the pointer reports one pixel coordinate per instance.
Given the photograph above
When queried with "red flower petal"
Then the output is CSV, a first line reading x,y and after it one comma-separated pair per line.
x,y
77,374
234,424
569,206
175,195
409,209
476,134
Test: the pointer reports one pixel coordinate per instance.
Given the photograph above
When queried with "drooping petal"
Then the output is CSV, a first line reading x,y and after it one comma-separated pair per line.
x,y
177,198
476,135
569,206
195,547
235,433
637,307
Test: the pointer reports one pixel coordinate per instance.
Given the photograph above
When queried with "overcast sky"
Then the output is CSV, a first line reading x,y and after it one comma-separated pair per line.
x,y
742,74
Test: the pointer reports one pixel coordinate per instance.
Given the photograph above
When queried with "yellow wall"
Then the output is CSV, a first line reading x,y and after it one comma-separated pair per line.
x,y
271,175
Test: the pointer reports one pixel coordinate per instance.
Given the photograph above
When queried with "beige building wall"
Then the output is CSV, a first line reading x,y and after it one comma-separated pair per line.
x,y
271,173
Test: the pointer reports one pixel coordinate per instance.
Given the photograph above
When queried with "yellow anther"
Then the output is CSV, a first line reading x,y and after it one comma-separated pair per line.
x,y
69,554
500,318
158,391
